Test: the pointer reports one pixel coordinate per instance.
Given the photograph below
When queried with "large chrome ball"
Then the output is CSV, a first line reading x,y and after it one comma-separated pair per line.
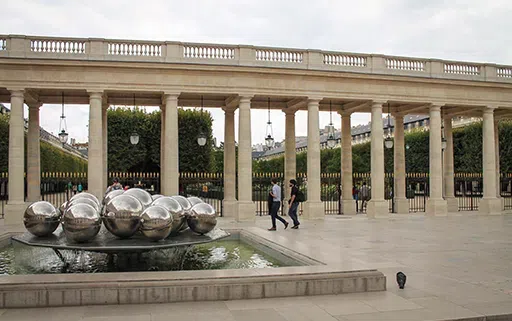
x,y
156,223
111,195
84,200
202,218
85,195
194,200
81,222
175,210
41,218
185,204
140,194
122,215
156,196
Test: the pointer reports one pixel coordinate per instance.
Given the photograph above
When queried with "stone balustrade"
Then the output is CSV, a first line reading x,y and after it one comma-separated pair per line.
x,y
19,46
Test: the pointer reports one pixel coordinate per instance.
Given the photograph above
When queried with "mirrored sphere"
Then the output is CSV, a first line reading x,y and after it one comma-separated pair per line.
x,y
140,194
202,218
62,208
83,200
194,200
185,204
81,222
156,196
85,195
122,215
156,223
175,210
111,195
41,218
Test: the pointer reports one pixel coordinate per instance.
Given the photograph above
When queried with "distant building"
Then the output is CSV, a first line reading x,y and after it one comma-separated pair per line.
x,y
50,138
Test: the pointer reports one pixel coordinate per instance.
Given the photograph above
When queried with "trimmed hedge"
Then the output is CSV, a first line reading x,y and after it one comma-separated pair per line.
x,y
467,142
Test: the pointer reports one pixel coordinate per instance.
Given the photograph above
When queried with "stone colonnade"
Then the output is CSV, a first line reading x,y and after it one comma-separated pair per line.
x,y
241,206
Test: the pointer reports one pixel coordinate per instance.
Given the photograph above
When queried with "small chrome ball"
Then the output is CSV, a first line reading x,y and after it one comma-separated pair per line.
x,y
85,195
81,222
175,210
202,218
156,223
41,218
111,195
156,196
122,215
185,204
84,200
194,200
140,194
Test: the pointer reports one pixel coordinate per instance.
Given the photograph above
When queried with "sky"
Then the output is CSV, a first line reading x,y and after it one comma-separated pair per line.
x,y
465,30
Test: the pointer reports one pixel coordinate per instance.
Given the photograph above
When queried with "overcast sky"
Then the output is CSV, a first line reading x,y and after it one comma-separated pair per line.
x,y
471,30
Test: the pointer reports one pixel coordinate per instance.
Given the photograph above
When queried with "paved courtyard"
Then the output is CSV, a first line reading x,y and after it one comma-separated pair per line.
x,y
457,267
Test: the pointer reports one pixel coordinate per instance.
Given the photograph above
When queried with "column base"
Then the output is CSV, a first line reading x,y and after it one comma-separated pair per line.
x,y
377,209
452,204
490,206
14,213
246,211
436,207
348,207
401,206
229,208
314,210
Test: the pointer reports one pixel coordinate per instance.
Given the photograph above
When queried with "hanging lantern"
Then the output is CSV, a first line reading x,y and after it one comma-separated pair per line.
x,y
269,139
388,141
134,138
201,137
331,140
63,135
443,139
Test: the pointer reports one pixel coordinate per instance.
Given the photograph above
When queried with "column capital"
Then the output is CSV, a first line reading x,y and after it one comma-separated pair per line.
x,y
245,98
378,103
229,109
398,115
35,105
435,107
314,100
168,97
344,113
95,94
289,111
489,109
17,92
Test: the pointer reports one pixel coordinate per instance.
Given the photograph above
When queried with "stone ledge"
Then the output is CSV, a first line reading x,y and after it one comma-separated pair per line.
x,y
67,291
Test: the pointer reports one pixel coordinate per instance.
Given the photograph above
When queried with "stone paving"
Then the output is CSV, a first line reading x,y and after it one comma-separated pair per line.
x,y
457,267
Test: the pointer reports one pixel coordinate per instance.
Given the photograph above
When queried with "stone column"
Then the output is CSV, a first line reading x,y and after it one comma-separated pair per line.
x,y
449,189
497,151
162,149
16,186
33,154
170,185
377,206
347,200
246,207
290,156
489,204
229,204
314,208
95,154
401,202
436,204
105,142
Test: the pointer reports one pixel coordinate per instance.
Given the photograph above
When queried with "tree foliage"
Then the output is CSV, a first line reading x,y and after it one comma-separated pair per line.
x,y
145,156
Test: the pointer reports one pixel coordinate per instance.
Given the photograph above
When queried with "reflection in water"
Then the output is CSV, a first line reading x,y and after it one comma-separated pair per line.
x,y
22,259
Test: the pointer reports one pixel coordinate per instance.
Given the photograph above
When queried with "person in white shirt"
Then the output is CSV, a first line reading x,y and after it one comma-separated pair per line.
x,y
276,204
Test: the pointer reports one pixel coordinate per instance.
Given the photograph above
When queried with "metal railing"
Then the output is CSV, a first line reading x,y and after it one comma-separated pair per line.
x,y
41,47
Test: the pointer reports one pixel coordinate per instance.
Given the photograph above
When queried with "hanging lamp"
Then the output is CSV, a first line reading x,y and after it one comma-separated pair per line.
x,y
63,135
269,139
331,140
134,137
201,137
388,141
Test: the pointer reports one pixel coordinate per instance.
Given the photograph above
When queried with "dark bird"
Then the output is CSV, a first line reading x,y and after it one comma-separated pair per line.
x,y
400,279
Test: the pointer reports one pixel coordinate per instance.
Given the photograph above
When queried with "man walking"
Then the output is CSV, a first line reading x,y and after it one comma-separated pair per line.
x,y
276,204
294,204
